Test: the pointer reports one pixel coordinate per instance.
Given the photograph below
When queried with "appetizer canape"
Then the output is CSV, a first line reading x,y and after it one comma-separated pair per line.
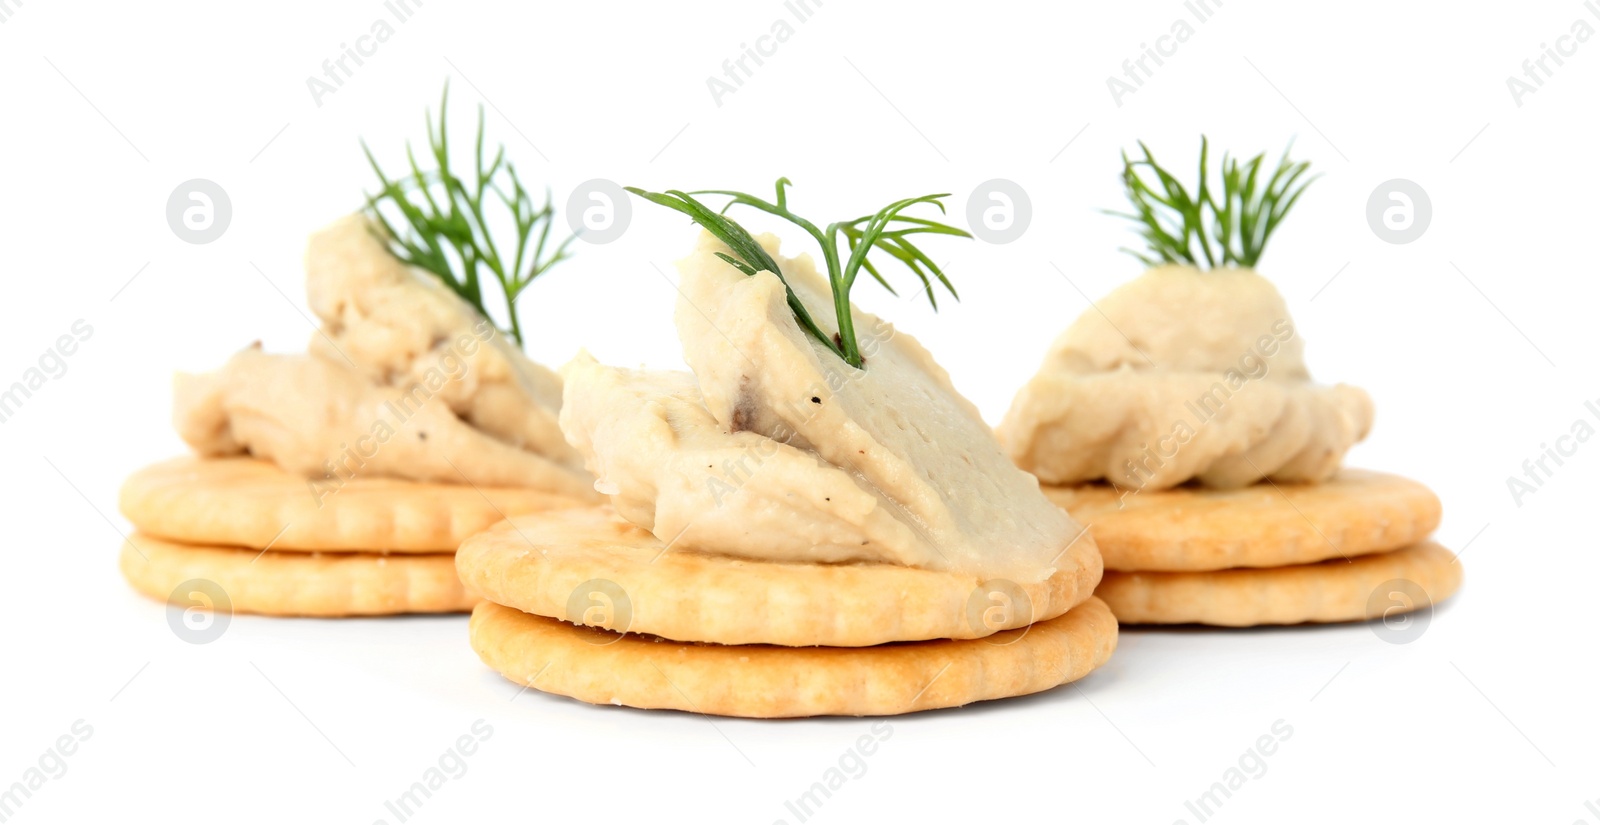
x,y
1177,418
341,481
810,522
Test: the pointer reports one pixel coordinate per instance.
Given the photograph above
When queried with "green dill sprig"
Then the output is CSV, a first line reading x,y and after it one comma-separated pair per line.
x,y
846,246
1181,228
446,220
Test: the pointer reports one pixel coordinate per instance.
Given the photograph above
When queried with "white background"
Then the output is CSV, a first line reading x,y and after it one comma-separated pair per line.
x,y
1477,342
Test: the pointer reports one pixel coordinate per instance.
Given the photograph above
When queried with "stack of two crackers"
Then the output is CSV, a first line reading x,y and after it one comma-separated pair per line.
x,y
581,603
242,535
1351,548
260,523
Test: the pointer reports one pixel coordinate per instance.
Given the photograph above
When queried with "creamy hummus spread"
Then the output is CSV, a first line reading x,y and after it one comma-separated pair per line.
x,y
1183,375
396,324
404,379
777,449
321,419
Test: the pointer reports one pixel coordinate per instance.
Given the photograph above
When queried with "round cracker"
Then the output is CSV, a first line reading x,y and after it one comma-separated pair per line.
x,y
768,681
298,584
246,502
1329,591
1264,525
589,566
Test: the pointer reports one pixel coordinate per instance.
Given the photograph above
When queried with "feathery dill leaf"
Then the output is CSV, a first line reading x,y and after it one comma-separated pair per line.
x,y
442,220
846,249
1210,228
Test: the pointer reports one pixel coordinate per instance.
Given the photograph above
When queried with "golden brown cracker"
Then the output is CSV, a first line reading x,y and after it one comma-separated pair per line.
x,y
298,584
245,502
1263,525
768,681
589,566
1336,590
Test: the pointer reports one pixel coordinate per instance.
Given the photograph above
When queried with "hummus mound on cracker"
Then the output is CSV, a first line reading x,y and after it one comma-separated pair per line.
x,y
1183,375
396,324
777,449
403,379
